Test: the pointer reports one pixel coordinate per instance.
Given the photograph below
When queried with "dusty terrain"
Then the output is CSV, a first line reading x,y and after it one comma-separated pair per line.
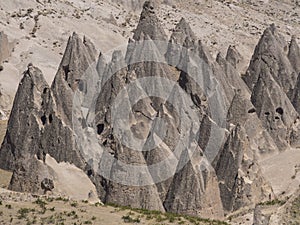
x,y
16,208
39,29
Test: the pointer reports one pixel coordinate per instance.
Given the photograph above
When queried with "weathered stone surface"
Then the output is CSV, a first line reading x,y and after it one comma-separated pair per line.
x,y
272,78
296,96
47,185
4,47
232,76
271,54
233,57
260,217
213,98
240,179
78,57
149,25
38,127
181,32
274,109
294,54
24,125
194,188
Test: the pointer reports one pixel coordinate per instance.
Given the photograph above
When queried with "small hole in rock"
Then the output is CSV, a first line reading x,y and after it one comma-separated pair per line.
x,y
267,113
89,173
279,110
44,119
277,118
50,118
100,128
252,110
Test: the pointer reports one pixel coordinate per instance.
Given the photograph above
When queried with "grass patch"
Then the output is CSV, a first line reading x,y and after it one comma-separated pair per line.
x,y
168,217
74,204
23,212
129,219
273,202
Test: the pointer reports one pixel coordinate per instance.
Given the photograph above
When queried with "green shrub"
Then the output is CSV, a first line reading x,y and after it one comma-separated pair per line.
x,y
129,219
23,212
74,204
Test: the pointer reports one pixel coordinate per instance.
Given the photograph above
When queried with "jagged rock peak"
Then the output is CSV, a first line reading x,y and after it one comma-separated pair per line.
x,y
233,56
294,54
271,52
149,25
182,31
76,47
24,116
79,56
240,178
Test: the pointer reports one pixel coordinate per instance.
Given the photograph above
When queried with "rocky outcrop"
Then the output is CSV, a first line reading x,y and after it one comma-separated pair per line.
x,y
25,122
41,121
78,57
240,178
180,34
294,55
149,25
163,126
271,77
271,54
4,47
194,188
22,139
145,115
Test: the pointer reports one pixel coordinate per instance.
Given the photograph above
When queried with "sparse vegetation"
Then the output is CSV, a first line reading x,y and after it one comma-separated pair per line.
x,y
169,217
129,219
273,202
62,199
23,212
74,204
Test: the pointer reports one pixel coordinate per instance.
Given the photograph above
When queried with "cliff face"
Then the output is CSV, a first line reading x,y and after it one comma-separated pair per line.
x,y
163,126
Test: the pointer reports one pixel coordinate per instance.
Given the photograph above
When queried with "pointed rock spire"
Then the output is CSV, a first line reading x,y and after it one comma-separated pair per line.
x,y
181,33
232,76
233,56
149,25
271,53
294,54
241,112
22,139
273,108
25,121
194,189
240,179
78,57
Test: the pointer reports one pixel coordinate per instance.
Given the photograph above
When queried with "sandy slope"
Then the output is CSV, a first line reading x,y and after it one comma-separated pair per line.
x,y
283,172
217,23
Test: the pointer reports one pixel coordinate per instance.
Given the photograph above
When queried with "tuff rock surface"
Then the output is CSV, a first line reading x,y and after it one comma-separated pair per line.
x,y
201,160
4,47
